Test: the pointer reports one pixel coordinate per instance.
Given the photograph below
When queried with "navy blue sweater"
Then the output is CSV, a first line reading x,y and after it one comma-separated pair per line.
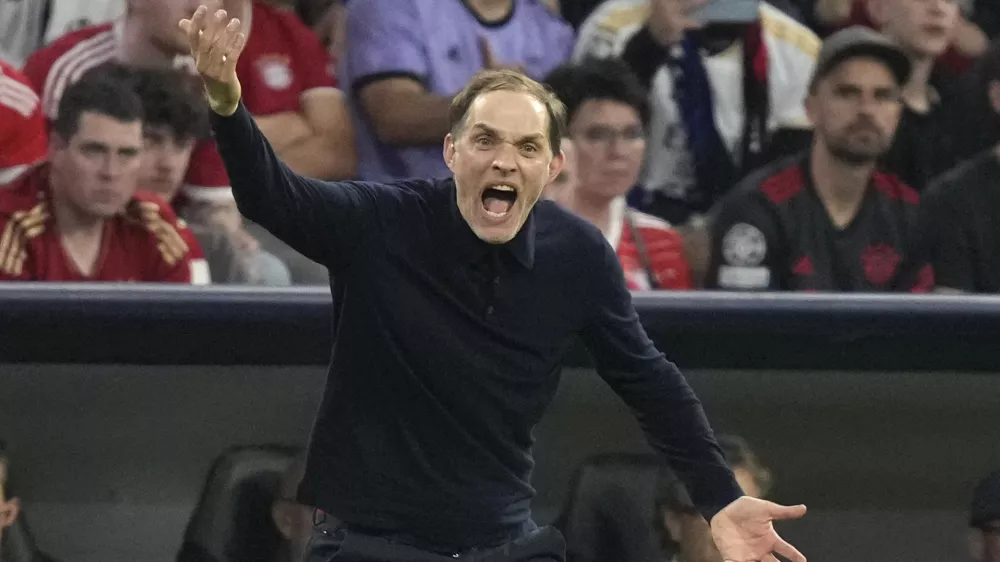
x,y
447,349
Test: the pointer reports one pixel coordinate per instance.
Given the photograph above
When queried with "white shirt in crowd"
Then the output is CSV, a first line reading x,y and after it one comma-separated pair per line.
x,y
23,25
669,166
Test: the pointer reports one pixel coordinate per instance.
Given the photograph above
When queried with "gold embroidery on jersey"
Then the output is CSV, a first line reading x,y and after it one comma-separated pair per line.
x,y
624,17
21,228
169,242
791,32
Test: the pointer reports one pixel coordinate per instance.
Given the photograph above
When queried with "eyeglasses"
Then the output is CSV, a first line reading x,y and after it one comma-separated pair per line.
x,y
607,135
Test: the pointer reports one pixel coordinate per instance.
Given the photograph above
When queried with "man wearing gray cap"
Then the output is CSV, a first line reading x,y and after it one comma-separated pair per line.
x,y
984,519
827,219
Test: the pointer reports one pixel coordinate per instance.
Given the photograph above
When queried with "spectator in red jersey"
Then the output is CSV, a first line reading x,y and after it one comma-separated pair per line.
x,y
175,118
827,219
148,36
289,87
23,139
299,101
607,111
79,218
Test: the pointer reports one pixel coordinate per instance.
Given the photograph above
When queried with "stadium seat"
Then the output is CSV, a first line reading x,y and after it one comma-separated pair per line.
x,y
611,509
232,521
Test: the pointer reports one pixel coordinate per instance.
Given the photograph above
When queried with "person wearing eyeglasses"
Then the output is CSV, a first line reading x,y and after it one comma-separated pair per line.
x,y
607,111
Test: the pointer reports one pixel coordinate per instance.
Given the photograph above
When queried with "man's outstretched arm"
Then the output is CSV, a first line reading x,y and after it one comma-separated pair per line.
x,y
675,424
327,222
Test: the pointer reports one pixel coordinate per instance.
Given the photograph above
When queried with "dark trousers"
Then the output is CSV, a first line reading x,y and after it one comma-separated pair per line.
x,y
335,542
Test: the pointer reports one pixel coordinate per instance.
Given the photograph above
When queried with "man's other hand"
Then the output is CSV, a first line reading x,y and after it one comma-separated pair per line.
x,y
216,41
743,531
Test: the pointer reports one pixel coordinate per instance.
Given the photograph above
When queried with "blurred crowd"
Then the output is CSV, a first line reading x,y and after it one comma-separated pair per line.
x,y
706,139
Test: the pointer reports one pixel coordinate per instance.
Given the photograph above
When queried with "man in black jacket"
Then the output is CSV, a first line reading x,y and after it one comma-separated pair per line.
x,y
455,301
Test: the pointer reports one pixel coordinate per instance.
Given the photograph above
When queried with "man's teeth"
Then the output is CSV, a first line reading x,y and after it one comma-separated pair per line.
x,y
503,188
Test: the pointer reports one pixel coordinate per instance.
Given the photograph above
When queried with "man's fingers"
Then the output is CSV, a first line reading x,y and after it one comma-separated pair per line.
x,y
787,512
233,48
769,558
193,26
788,551
214,26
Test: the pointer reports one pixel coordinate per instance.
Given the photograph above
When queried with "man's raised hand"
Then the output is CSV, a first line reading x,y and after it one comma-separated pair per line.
x,y
216,41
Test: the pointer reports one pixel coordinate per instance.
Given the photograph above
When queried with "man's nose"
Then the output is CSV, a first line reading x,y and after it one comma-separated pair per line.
x,y
505,158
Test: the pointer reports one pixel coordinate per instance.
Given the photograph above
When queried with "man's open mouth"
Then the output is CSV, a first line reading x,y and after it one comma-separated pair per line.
x,y
498,200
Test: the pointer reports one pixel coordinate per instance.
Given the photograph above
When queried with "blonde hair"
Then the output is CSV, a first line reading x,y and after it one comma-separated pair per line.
x,y
487,81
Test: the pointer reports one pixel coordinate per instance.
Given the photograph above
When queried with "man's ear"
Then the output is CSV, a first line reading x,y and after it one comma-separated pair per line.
x,y
809,105
449,150
282,520
57,143
556,166
9,512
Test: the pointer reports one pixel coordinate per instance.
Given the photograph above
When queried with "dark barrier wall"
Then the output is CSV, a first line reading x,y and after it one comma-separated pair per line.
x,y
879,413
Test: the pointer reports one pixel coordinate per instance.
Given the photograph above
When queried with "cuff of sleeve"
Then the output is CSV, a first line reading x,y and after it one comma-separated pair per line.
x,y
720,498
240,114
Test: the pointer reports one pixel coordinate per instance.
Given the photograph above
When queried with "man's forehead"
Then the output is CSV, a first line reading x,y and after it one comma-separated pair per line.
x,y
509,112
95,127
861,70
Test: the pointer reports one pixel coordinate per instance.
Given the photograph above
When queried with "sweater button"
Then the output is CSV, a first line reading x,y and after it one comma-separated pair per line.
x,y
489,309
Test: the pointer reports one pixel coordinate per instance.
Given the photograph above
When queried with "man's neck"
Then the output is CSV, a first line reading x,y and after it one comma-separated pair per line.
x,y
491,10
139,49
917,91
595,210
841,186
79,234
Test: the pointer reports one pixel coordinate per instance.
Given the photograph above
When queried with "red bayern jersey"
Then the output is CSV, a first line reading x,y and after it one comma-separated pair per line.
x,y
283,59
54,67
142,244
662,256
23,138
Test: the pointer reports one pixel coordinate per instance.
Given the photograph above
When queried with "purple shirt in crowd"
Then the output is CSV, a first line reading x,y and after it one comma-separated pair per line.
x,y
437,43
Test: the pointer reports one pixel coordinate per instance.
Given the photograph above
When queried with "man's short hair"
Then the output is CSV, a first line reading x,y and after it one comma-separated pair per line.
x,y
487,81
598,79
169,101
105,90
